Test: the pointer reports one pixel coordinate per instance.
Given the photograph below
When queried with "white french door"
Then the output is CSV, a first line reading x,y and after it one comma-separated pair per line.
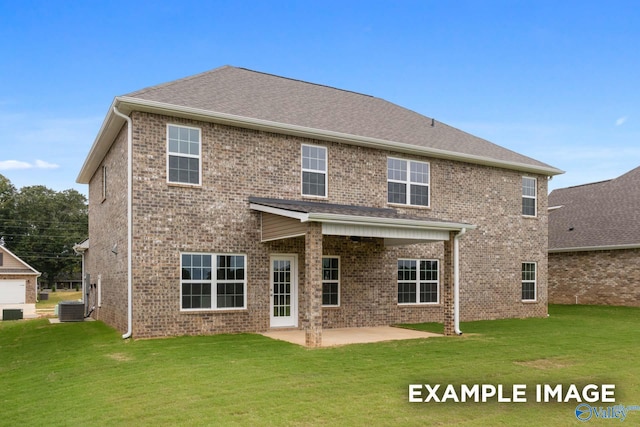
x,y
284,291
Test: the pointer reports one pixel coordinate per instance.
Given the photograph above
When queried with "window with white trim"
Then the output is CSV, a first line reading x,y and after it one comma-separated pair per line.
x,y
314,171
212,281
407,182
528,281
183,155
330,281
528,196
418,281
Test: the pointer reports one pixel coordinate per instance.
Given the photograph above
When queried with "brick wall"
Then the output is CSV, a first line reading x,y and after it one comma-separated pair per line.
x,y
597,277
108,234
215,217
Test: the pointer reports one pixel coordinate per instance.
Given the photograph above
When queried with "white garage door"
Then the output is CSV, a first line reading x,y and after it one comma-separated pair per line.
x,y
12,291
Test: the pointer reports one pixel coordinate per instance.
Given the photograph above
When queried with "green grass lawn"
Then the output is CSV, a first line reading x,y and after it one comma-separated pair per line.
x,y
85,374
56,297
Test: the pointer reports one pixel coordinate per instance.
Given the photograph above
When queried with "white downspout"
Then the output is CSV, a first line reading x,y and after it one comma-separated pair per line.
x,y
129,220
456,281
84,291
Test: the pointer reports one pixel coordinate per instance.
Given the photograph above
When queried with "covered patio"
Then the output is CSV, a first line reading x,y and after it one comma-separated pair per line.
x,y
285,219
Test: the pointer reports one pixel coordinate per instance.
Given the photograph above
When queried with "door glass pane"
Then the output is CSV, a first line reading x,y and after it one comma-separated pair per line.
x,y
281,288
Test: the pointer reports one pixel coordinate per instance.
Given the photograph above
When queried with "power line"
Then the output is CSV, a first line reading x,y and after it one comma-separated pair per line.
x,y
42,221
40,236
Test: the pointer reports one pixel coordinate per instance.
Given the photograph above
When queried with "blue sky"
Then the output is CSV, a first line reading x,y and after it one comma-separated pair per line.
x,y
558,81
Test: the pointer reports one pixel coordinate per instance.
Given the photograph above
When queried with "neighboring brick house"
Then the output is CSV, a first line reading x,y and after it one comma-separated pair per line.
x,y
18,284
259,201
594,242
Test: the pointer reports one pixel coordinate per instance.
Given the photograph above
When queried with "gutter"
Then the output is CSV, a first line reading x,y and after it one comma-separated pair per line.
x,y
595,248
456,281
390,222
129,220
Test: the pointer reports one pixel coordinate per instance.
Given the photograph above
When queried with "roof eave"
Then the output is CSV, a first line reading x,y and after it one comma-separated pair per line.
x,y
126,105
330,218
105,138
595,248
394,222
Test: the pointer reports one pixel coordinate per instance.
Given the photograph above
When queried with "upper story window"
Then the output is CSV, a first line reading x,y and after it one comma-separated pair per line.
x,y
528,196
183,155
314,171
407,182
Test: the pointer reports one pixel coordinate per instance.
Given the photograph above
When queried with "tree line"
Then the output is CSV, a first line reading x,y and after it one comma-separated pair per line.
x,y
41,226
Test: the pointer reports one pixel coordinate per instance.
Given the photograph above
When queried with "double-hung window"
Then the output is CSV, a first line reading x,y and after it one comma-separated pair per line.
x,y
314,171
528,196
330,281
528,281
418,281
183,155
213,281
407,182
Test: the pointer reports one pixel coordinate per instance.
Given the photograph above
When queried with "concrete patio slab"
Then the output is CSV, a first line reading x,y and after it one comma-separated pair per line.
x,y
344,336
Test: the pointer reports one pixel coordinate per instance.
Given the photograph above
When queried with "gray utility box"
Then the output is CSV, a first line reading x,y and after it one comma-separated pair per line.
x,y
71,311
12,314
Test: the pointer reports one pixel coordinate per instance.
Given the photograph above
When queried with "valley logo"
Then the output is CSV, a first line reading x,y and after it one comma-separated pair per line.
x,y
585,412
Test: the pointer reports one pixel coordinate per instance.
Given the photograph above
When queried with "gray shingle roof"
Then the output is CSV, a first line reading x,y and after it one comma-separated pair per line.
x,y
331,208
351,210
602,214
257,95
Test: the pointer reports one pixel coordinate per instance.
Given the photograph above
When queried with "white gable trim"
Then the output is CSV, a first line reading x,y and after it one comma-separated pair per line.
x,y
14,256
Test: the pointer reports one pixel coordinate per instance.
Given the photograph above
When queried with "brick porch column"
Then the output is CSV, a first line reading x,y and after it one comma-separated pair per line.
x,y
447,286
313,284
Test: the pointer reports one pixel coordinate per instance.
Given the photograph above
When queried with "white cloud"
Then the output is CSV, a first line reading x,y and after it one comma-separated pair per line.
x,y
41,164
6,165
621,120
17,164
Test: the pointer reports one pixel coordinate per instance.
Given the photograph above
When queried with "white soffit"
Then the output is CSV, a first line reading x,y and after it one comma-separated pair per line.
x,y
333,229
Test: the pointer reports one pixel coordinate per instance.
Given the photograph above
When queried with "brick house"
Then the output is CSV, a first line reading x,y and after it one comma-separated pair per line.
x,y
250,201
18,284
594,242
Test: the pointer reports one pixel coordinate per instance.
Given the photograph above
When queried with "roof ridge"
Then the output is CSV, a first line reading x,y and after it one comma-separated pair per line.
x,y
626,175
172,82
263,200
585,185
306,82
